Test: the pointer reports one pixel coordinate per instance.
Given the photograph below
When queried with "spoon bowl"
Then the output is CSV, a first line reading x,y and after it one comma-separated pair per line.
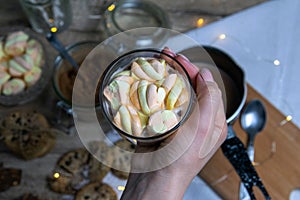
x,y
253,119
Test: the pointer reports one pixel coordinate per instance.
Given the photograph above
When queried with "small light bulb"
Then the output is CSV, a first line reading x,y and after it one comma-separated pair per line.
x,y
222,36
56,175
276,62
121,188
200,22
53,29
111,7
288,118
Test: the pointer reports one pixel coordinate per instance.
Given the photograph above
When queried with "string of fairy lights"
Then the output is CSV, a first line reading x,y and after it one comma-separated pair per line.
x,y
200,22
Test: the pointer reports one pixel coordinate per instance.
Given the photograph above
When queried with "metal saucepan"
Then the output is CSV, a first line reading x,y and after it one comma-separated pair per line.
x,y
231,80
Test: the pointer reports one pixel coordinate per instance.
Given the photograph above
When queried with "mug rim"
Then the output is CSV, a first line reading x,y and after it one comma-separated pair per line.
x,y
159,135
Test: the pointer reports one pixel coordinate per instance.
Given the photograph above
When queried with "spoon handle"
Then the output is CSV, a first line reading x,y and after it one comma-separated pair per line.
x,y
51,37
250,148
236,153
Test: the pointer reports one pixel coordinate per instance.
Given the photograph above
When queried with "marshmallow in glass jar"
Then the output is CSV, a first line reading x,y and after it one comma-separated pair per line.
x,y
148,97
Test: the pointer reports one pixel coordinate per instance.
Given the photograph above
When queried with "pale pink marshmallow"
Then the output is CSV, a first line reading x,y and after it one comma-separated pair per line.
x,y
161,121
136,125
169,82
157,66
138,71
127,79
134,96
152,97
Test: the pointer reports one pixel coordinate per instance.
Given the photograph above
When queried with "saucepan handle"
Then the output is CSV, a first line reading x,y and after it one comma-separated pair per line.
x,y
236,153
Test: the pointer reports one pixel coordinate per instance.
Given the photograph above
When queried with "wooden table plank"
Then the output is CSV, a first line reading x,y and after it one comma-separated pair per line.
x,y
277,155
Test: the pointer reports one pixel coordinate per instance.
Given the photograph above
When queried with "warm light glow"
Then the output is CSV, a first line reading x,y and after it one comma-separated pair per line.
x,y
276,62
53,29
111,7
121,188
288,118
200,22
56,175
222,36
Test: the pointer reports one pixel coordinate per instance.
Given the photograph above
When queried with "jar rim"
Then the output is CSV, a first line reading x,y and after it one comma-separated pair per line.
x,y
148,7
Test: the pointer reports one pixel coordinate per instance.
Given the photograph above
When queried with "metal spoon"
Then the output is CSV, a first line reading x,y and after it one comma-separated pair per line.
x,y
51,37
253,120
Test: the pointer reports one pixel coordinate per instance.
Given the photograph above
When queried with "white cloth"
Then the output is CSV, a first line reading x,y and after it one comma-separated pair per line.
x,y
255,38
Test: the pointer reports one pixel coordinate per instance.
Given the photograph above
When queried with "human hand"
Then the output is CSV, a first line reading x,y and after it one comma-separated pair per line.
x,y
171,182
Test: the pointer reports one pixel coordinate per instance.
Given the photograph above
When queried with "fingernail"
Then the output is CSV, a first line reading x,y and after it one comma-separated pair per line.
x,y
183,57
168,51
167,48
206,75
198,85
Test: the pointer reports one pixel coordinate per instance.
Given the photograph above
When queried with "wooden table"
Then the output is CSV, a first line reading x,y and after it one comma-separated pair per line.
x,y
277,157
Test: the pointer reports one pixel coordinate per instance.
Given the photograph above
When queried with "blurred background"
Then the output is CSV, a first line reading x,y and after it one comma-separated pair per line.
x,y
184,15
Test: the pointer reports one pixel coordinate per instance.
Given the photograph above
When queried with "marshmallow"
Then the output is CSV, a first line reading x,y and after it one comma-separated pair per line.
x,y
162,121
15,73
15,68
182,99
136,125
13,86
117,92
139,73
3,66
174,94
4,77
146,97
32,76
123,73
35,51
21,58
123,119
169,82
3,55
25,61
134,95
143,118
148,69
16,43
142,93
128,120
155,71
155,97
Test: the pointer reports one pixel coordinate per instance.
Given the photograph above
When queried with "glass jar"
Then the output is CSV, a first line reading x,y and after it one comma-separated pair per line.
x,y
63,82
146,21
46,14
